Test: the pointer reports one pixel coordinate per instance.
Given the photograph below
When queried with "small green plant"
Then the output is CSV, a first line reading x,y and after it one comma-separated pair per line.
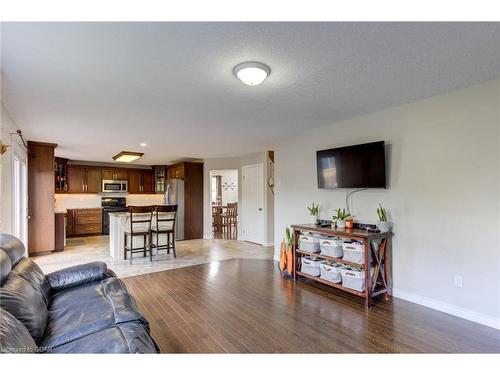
x,y
314,209
382,213
288,236
341,214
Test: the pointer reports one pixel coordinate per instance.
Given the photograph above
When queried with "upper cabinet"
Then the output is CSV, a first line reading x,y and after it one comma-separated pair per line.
x,y
140,181
81,179
75,179
115,174
93,180
78,179
61,166
176,171
159,178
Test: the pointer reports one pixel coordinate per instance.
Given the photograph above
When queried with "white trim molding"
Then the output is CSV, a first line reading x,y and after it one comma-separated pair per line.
x,y
461,312
208,237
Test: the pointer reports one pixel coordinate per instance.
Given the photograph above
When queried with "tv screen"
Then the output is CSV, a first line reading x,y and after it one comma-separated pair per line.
x,y
358,166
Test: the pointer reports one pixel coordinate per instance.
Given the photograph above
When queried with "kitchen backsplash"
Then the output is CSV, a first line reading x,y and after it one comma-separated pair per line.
x,y
94,200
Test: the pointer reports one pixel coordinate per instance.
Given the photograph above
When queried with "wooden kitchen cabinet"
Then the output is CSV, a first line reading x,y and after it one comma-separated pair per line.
x,y
86,221
159,178
134,182
115,174
140,181
41,187
107,174
76,179
147,182
176,171
93,180
121,174
84,179
70,228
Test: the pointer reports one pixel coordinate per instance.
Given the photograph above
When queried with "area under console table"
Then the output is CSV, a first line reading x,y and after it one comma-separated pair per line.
x,y
378,257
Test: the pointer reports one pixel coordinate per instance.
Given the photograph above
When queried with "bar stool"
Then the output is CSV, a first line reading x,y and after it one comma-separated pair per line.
x,y
144,230
164,224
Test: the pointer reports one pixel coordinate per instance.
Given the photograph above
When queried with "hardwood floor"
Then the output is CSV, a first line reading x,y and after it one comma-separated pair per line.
x,y
244,306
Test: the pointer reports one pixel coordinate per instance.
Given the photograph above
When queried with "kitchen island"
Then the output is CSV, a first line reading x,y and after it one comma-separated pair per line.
x,y
119,222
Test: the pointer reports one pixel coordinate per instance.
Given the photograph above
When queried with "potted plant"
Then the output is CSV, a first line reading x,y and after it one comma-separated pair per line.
x,y
339,218
313,213
383,223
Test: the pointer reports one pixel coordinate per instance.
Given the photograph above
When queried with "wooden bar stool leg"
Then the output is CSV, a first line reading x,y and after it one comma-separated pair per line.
x,y
173,245
131,246
157,243
125,246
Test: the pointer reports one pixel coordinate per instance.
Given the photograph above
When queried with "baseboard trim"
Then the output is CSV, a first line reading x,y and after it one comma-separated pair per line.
x,y
461,312
268,244
208,237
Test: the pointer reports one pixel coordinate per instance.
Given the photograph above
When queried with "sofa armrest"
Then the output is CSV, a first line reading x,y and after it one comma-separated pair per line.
x,y
78,275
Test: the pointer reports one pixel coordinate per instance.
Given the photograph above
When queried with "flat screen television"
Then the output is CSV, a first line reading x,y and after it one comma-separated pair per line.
x,y
358,166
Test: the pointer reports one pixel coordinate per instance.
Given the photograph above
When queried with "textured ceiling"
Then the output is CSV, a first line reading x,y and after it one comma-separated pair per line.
x,y
98,88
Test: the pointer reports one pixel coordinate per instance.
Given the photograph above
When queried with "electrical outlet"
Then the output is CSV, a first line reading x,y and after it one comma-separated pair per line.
x,y
458,281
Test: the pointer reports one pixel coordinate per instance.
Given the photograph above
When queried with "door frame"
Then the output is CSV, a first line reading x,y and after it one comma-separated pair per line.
x,y
19,189
211,173
264,203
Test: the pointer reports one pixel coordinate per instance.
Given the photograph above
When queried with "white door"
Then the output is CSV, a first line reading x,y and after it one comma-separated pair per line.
x,y
253,203
19,199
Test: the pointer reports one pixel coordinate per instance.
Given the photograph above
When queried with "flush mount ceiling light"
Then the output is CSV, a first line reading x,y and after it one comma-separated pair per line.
x,y
252,73
127,156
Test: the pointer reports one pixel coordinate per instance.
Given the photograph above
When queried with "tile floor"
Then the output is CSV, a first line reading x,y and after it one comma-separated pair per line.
x,y
192,252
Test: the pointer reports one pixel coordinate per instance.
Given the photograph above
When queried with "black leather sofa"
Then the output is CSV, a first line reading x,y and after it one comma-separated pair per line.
x,y
81,309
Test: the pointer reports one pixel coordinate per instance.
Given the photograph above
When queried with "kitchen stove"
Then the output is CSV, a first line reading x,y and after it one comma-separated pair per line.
x,y
110,204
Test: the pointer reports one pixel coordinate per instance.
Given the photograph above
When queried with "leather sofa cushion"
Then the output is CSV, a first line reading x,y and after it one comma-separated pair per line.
x,y
84,310
130,337
13,247
25,303
31,272
71,277
14,337
5,266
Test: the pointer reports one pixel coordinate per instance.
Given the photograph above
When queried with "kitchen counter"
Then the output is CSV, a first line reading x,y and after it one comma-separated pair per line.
x,y
60,211
118,223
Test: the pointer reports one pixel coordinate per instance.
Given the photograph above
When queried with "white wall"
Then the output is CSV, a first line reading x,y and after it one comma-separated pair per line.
x,y
94,200
218,164
227,177
443,195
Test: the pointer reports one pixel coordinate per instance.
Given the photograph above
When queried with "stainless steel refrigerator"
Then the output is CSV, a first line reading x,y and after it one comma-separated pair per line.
x,y
174,194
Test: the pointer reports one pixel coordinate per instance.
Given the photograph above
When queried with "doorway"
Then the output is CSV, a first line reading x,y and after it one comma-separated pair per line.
x,y
224,201
253,215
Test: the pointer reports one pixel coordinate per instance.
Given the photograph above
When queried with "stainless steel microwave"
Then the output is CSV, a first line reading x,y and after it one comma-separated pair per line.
x,y
114,186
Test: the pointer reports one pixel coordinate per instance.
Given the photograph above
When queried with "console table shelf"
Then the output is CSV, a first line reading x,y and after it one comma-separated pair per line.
x,y
326,257
376,258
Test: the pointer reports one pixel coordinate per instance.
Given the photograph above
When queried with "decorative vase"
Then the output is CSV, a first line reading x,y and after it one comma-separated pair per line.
x,y
313,219
340,224
384,226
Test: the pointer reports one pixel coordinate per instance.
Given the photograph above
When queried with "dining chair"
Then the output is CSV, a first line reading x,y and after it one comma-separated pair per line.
x,y
230,218
165,217
140,225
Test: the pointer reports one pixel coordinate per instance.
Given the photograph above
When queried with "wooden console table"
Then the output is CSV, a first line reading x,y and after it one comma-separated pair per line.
x,y
376,283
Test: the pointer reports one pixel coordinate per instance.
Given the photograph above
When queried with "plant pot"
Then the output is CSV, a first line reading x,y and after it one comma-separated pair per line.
x,y
340,224
349,224
313,219
384,226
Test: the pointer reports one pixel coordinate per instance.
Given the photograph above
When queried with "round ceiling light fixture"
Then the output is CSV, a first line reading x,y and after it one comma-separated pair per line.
x,y
252,73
